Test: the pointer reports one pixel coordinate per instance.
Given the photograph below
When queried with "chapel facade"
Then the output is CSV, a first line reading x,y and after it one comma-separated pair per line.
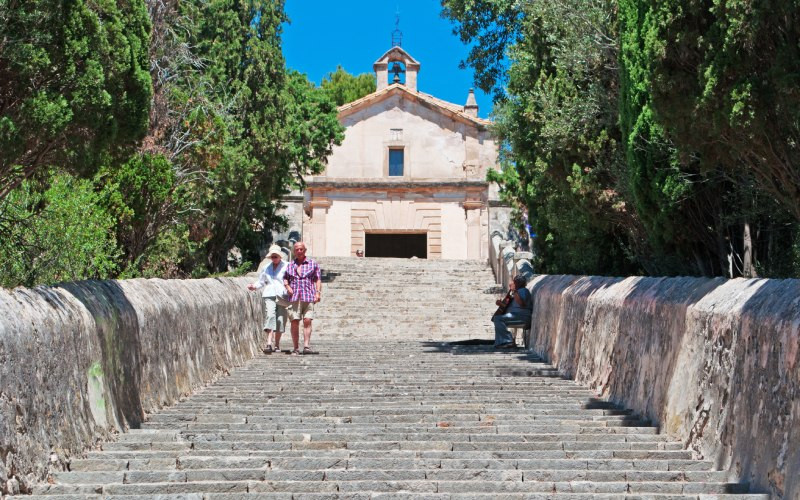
x,y
408,180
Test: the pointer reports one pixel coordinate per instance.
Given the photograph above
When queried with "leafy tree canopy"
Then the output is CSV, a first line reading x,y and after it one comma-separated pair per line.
x,y
60,234
276,127
636,130
343,87
75,84
734,67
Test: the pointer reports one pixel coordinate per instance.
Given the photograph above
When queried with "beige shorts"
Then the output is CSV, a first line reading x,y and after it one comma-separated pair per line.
x,y
275,314
301,310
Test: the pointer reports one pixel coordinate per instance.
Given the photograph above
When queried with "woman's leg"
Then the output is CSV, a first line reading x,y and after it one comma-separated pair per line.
x,y
281,320
270,321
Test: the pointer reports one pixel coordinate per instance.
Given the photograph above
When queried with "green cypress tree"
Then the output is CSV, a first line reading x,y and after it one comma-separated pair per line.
x,y
75,84
277,128
343,87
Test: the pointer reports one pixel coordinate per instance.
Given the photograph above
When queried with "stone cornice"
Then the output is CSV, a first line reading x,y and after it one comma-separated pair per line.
x,y
382,183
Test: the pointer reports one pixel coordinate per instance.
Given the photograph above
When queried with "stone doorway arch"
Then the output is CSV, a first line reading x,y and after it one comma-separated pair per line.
x,y
400,216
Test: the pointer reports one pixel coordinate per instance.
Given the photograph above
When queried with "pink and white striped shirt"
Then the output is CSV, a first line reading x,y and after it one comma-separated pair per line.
x,y
302,278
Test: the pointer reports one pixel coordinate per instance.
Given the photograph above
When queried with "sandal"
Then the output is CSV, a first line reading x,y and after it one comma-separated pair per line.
x,y
308,350
510,345
267,349
295,352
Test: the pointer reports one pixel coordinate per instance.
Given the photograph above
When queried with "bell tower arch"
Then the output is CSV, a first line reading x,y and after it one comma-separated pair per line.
x,y
396,61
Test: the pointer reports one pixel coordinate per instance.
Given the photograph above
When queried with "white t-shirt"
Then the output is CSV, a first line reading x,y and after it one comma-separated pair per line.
x,y
271,280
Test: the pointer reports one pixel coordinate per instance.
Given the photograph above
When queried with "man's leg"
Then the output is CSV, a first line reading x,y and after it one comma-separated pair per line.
x,y
277,341
502,335
306,333
296,334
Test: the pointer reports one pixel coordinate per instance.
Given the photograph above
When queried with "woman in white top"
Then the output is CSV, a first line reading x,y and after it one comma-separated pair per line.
x,y
274,297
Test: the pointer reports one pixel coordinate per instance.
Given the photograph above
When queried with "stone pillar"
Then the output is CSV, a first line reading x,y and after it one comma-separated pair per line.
x,y
411,76
318,206
473,210
471,107
381,75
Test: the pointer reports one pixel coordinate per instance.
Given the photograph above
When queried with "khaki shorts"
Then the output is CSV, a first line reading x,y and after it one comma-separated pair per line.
x,y
274,314
301,310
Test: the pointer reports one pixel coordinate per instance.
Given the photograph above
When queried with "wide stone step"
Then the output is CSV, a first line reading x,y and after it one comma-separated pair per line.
x,y
406,496
528,439
442,422
207,471
515,484
214,459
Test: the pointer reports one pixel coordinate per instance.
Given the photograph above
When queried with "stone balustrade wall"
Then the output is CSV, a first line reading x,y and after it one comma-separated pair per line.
x,y
714,362
83,360
505,262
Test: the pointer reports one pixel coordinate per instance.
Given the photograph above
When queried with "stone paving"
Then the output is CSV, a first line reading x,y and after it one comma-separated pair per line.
x,y
394,417
410,299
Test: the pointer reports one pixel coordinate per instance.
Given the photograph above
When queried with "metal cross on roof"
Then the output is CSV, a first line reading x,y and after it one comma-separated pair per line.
x,y
397,35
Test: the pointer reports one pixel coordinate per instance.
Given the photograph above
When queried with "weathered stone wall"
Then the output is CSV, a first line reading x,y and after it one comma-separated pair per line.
x,y
715,362
83,359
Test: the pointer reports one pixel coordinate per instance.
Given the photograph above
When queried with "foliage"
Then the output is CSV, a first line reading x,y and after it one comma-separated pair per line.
x,y
143,196
170,255
343,87
491,26
734,68
597,145
277,126
661,184
60,234
75,85
692,184
562,159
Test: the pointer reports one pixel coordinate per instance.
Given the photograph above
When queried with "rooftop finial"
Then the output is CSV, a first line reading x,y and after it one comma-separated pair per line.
x,y
397,35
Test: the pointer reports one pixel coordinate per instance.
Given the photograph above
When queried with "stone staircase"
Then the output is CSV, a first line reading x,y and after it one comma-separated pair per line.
x,y
406,298
395,416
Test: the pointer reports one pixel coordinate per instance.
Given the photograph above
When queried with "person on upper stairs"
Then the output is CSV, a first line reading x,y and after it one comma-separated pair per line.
x,y
518,312
274,298
303,281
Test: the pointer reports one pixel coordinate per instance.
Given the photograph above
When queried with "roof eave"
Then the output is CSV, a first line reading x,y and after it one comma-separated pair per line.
x,y
355,106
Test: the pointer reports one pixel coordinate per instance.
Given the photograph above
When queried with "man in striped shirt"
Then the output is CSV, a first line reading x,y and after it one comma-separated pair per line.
x,y
304,286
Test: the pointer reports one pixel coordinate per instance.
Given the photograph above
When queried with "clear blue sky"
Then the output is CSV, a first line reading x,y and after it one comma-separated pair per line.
x,y
355,33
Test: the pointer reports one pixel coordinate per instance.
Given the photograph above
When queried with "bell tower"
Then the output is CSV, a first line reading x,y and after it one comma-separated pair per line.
x,y
396,62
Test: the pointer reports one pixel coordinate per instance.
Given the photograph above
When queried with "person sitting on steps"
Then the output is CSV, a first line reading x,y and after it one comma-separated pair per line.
x,y
518,312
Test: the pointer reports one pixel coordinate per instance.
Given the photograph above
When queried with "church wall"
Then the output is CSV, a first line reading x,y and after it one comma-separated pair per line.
x,y
454,232
338,229
436,146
